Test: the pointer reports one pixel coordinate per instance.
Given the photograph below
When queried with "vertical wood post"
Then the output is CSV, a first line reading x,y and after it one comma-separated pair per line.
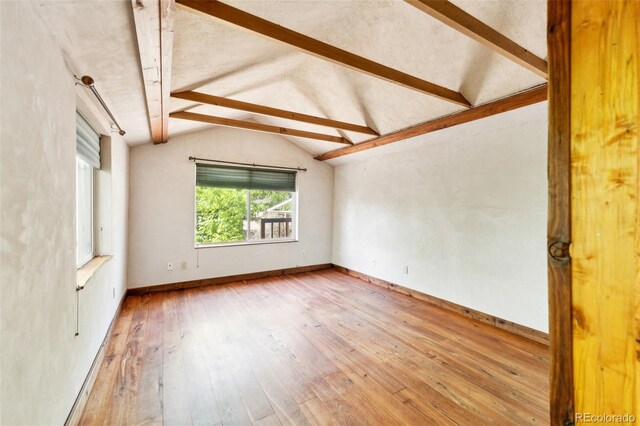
x,y
559,224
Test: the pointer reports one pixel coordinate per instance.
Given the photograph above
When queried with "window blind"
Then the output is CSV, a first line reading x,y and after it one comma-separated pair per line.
x,y
87,142
245,178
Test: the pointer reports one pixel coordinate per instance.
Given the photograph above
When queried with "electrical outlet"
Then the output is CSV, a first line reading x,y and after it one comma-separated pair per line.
x,y
406,270
303,253
373,263
170,266
183,265
113,290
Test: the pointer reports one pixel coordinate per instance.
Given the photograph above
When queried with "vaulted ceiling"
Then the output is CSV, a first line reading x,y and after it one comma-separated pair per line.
x,y
215,57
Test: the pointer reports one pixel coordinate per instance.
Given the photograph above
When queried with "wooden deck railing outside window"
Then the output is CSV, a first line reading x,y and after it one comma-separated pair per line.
x,y
280,230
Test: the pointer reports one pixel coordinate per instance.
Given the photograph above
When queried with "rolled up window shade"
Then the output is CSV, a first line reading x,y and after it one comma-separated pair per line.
x,y
245,178
87,142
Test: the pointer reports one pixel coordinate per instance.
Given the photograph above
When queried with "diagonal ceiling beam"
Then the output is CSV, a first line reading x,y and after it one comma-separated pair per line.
x,y
274,112
518,100
320,49
154,29
258,127
459,20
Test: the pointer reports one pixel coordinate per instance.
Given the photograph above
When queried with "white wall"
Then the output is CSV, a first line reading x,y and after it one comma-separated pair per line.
x,y
162,208
43,363
465,209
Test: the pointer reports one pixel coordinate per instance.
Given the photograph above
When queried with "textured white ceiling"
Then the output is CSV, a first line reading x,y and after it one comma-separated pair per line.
x,y
98,39
218,58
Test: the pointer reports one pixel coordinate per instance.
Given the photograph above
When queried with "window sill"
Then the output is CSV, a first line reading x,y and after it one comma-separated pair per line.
x,y
88,270
244,243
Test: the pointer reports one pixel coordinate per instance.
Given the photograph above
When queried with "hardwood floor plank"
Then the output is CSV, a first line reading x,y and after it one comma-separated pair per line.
x,y
317,412
175,396
253,396
355,359
479,333
230,405
271,420
449,358
103,388
424,406
277,352
258,357
305,359
121,408
489,365
465,414
358,398
202,401
318,348
453,389
369,380
150,391
288,347
193,320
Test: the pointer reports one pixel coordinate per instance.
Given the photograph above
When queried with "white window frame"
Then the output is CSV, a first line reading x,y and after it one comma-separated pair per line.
x,y
81,260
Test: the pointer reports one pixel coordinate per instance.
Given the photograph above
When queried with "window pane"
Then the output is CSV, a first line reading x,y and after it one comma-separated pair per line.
x,y
271,215
84,212
220,215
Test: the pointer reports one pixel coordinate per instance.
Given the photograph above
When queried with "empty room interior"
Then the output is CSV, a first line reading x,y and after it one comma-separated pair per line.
x,y
323,212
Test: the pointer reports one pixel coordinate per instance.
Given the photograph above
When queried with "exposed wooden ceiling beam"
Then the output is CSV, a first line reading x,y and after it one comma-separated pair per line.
x,y
154,29
167,10
274,112
258,127
458,19
321,49
518,100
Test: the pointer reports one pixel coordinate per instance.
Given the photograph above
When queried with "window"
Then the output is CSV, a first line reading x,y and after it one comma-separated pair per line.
x,y
244,205
87,158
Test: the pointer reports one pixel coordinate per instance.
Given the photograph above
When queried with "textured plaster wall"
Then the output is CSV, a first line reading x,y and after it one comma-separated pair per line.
x,y
464,209
43,363
162,208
